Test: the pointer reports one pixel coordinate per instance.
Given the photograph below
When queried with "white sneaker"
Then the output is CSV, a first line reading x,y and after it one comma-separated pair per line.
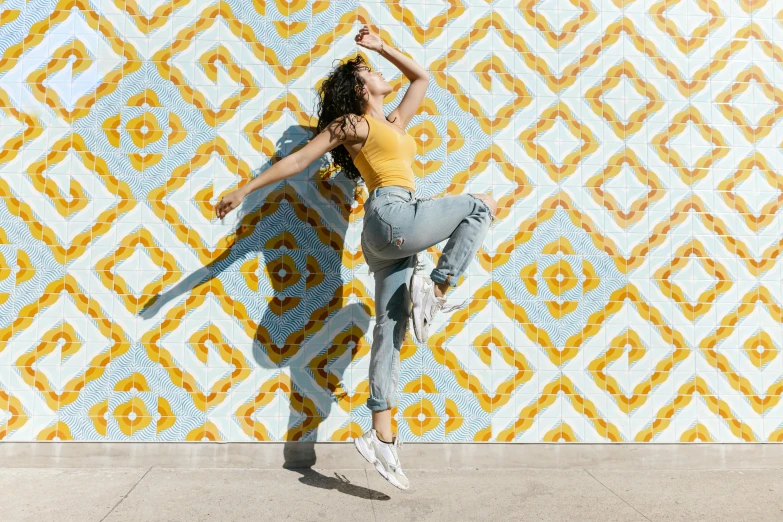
x,y
426,305
384,456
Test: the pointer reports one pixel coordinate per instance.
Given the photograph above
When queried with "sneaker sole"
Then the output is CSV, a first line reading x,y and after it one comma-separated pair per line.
x,y
369,456
417,290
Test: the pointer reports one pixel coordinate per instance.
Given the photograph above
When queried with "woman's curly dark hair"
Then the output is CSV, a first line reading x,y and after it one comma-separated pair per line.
x,y
340,95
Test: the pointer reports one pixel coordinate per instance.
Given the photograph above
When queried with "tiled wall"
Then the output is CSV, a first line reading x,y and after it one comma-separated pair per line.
x,y
630,289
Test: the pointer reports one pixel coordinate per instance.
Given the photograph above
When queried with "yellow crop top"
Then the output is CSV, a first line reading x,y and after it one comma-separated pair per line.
x,y
386,158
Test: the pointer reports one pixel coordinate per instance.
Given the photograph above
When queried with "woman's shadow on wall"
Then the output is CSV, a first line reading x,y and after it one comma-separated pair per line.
x,y
299,448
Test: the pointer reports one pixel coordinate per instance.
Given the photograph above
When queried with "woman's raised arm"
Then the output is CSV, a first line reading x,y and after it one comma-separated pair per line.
x,y
418,76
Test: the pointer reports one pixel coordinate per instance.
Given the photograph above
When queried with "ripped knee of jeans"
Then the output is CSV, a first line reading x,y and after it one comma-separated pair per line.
x,y
486,206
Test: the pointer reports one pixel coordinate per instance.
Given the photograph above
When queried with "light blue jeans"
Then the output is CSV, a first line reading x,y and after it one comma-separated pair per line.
x,y
397,226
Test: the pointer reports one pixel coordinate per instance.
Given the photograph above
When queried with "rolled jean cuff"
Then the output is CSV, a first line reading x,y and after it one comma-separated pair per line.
x,y
380,404
440,277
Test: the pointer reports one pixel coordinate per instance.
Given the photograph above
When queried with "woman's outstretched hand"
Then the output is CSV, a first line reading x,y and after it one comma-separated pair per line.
x,y
367,39
228,203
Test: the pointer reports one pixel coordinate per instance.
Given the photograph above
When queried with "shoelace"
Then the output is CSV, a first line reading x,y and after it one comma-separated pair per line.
x,y
420,268
451,308
444,308
395,466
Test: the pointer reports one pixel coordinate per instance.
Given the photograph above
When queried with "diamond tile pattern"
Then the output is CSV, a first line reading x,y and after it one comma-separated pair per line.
x,y
628,291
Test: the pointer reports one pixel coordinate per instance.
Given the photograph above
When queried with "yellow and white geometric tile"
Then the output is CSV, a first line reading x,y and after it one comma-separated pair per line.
x,y
629,290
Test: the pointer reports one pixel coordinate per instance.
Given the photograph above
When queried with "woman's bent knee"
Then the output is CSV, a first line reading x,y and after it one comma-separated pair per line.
x,y
489,202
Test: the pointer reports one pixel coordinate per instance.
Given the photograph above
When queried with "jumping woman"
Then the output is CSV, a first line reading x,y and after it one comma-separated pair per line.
x,y
369,146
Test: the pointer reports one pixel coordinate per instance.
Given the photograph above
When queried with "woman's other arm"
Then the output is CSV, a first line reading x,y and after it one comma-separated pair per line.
x,y
326,140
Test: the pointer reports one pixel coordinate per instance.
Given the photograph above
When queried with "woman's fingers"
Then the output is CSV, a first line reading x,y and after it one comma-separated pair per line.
x,y
222,208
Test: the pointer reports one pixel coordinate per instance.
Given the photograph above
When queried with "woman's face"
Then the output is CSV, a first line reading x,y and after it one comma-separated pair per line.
x,y
374,82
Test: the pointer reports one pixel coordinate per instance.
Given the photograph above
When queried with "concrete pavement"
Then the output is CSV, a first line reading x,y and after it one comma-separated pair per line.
x,y
224,482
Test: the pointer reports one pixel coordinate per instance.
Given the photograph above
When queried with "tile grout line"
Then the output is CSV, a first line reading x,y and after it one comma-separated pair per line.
x,y
126,494
616,495
372,502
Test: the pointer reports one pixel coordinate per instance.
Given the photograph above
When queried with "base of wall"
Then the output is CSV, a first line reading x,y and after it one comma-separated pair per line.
x,y
295,455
